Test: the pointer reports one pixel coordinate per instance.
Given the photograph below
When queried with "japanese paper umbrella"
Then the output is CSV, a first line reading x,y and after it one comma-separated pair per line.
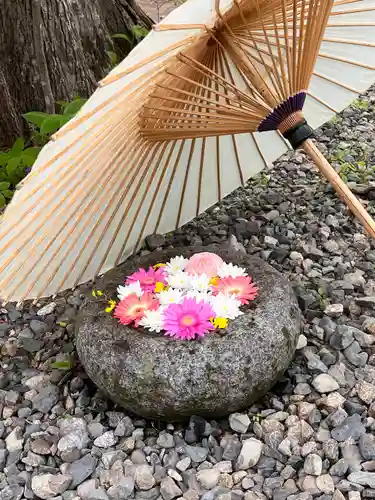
x,y
213,95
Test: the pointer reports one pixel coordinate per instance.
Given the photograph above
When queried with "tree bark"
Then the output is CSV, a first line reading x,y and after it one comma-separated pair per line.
x,y
55,50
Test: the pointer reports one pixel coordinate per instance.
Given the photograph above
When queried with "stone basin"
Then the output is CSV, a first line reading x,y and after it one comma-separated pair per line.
x,y
157,377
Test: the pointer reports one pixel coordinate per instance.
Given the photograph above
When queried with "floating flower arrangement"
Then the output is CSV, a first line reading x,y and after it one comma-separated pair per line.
x,y
184,298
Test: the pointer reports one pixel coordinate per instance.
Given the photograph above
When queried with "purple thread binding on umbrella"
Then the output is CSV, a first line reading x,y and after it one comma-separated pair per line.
x,y
283,110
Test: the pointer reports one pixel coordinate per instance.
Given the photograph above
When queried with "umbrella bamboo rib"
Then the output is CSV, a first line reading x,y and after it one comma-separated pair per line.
x,y
156,190
176,126
71,182
86,186
117,76
123,188
102,185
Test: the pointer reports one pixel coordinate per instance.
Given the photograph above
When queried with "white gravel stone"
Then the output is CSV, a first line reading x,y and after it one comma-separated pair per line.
x,y
183,464
270,241
224,466
106,440
324,383
70,425
50,485
332,401
47,309
354,495
334,310
238,476
325,483
165,440
250,454
338,495
14,441
174,475
208,478
144,478
302,342
296,256
365,391
313,465
239,422
169,489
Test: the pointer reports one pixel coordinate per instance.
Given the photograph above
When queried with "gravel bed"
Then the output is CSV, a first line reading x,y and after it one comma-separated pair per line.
x,y
311,437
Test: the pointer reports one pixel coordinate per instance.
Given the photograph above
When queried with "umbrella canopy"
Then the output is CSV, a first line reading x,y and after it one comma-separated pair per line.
x,y
204,102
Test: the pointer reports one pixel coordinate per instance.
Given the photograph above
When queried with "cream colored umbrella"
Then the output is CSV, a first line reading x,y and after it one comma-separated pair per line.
x,y
205,101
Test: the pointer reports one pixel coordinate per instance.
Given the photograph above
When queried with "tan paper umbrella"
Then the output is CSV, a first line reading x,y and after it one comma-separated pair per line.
x,y
205,101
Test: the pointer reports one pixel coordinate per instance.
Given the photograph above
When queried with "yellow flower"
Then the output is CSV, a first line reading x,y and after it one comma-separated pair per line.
x,y
159,287
156,266
214,281
99,293
93,293
220,322
111,305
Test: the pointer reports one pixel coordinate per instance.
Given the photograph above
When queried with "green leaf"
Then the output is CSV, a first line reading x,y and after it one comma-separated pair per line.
x,y
139,31
2,201
3,175
73,107
34,151
8,194
121,36
17,147
64,119
50,124
113,57
4,185
13,170
13,165
62,104
36,117
63,365
28,161
3,158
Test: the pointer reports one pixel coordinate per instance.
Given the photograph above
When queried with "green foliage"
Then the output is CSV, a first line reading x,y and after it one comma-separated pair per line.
x,y
13,165
137,34
262,179
16,162
65,365
352,169
359,104
334,120
113,57
43,125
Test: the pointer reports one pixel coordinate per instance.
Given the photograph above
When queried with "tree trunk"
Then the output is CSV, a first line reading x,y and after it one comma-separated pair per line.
x,y
54,50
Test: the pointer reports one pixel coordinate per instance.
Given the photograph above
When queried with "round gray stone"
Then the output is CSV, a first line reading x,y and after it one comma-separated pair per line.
x,y
158,377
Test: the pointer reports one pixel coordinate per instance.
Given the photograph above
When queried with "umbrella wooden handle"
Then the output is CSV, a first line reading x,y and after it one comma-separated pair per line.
x,y
340,187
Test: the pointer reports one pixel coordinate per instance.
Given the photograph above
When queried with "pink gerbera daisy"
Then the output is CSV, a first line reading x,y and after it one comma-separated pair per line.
x,y
147,279
242,287
133,308
188,320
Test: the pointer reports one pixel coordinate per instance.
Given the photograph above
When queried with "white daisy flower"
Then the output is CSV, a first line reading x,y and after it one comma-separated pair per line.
x,y
200,283
179,280
153,320
176,264
230,270
198,296
225,306
170,296
124,291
